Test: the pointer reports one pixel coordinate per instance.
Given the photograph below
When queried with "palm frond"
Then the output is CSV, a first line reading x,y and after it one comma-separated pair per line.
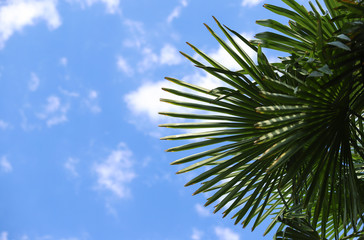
x,y
284,139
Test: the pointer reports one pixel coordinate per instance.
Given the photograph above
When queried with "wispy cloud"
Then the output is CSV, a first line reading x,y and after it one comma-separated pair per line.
x,y
50,237
33,83
91,102
226,234
4,236
176,12
4,125
5,165
149,59
116,171
17,14
149,56
124,66
250,2
25,125
54,112
63,61
169,55
137,33
69,93
24,237
112,6
202,211
82,236
196,234
70,165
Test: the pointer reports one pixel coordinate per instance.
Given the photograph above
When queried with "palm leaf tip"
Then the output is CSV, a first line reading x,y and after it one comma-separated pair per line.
x,y
165,125
208,28
175,163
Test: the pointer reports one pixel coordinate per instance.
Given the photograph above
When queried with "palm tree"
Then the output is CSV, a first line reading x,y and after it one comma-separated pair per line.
x,y
287,143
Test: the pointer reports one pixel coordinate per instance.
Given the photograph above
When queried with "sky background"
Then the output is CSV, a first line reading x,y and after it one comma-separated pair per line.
x,y
80,155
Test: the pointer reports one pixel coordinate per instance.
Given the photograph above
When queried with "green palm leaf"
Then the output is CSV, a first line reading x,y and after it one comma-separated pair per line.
x,y
284,139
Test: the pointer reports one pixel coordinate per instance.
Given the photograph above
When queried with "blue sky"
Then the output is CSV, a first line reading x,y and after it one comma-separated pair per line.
x,y
80,155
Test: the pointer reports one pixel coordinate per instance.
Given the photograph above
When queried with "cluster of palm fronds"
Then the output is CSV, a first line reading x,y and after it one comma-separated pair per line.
x,y
288,143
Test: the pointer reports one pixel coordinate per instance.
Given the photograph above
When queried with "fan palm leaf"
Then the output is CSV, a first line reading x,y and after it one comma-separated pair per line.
x,y
284,139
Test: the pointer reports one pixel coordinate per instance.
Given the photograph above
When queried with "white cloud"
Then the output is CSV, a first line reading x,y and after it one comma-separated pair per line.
x,y
116,171
70,166
92,102
16,14
4,125
226,234
4,236
124,66
45,237
149,59
5,166
56,120
112,6
84,236
54,111
176,12
93,94
53,104
196,234
69,93
145,101
33,83
24,237
169,55
202,211
184,3
63,61
250,2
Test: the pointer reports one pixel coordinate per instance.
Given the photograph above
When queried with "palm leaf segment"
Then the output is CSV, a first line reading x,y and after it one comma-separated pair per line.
x,y
288,139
